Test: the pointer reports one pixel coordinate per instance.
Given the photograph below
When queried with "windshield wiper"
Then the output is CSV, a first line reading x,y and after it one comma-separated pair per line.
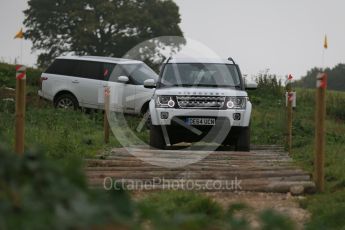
x,y
220,86
213,86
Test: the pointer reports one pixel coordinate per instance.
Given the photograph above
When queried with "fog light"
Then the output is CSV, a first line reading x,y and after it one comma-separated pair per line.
x,y
237,116
164,115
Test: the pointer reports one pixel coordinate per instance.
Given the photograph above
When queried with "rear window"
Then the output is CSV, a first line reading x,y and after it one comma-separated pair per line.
x,y
88,69
62,67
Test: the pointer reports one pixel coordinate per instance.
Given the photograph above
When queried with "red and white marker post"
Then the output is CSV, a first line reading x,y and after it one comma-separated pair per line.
x,y
106,114
290,99
319,173
20,109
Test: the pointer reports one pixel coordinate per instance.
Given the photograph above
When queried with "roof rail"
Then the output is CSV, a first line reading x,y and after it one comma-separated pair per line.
x,y
232,60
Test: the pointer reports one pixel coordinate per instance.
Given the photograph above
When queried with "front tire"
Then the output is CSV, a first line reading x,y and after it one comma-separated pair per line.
x,y
148,123
156,137
243,140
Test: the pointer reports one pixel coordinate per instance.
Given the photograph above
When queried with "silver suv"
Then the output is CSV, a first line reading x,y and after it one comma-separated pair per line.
x,y
72,82
200,100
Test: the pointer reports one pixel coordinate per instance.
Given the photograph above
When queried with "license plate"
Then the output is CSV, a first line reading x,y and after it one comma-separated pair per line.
x,y
201,121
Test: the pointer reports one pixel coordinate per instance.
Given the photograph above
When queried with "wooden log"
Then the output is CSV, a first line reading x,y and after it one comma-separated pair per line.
x,y
206,160
123,163
256,185
193,148
154,152
200,175
193,168
210,157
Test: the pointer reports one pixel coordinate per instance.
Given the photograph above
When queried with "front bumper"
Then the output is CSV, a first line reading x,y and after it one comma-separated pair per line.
x,y
200,113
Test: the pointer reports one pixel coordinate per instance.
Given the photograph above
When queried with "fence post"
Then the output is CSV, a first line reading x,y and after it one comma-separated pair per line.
x,y
289,121
106,113
289,105
319,174
20,109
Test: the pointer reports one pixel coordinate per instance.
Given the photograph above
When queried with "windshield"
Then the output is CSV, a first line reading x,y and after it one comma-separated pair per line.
x,y
200,74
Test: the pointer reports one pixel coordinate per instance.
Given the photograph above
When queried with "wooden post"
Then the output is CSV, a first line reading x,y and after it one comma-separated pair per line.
x,y
106,113
20,109
289,121
290,99
319,173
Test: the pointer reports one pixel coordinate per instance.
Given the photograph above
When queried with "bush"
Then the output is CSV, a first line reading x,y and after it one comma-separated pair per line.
x,y
335,105
38,194
8,73
268,85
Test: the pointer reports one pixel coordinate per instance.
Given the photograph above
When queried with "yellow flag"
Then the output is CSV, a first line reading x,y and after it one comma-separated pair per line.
x,y
20,34
325,43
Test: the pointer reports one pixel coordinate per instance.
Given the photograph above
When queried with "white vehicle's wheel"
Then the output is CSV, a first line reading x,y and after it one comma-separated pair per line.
x,y
148,121
156,137
243,141
66,101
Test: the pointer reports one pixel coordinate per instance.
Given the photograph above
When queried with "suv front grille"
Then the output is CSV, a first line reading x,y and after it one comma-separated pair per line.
x,y
200,102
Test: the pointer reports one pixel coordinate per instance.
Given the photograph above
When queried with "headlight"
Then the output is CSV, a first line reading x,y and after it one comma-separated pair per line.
x,y
236,102
165,102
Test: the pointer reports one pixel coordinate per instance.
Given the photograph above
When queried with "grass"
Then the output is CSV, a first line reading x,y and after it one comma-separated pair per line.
x,y
8,73
268,127
187,210
327,207
59,133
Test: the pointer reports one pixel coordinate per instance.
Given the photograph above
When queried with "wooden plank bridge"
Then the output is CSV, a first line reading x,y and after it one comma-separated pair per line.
x,y
264,169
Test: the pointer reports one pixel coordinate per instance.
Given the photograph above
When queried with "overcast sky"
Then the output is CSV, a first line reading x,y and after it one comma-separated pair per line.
x,y
284,36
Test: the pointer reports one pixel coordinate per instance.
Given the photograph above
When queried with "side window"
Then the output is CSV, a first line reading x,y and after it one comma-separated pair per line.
x,y
117,72
62,67
88,69
141,74
138,73
108,68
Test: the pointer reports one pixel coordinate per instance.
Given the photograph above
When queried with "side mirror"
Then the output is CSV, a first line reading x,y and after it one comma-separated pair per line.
x,y
123,79
150,84
250,85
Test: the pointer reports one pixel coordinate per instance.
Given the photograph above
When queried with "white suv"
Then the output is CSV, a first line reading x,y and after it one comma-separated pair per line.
x,y
72,82
200,100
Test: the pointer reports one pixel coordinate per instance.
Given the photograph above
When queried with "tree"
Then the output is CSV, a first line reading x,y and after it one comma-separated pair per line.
x,y
99,27
336,78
